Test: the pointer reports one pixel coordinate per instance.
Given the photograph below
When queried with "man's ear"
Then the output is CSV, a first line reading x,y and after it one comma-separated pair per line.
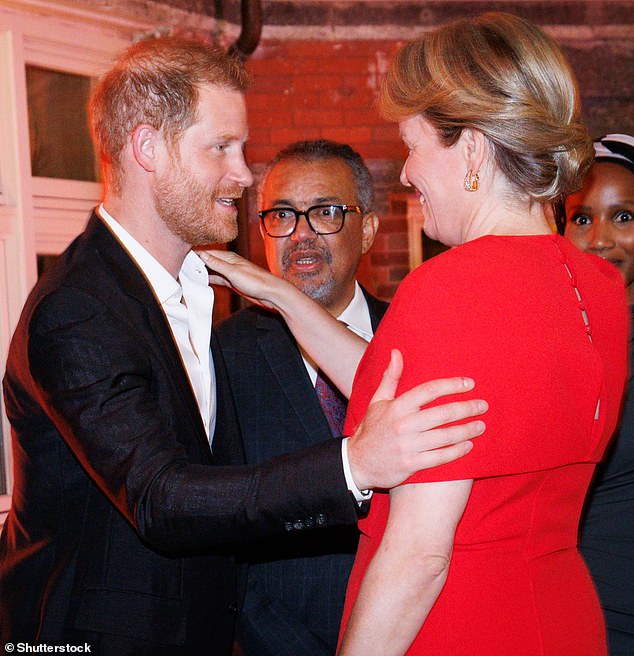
x,y
261,228
145,146
370,226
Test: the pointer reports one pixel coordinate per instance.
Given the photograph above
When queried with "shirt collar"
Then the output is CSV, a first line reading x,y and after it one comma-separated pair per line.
x,y
164,285
357,315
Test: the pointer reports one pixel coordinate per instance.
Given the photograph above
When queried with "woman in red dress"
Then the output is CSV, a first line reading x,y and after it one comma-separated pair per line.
x,y
480,556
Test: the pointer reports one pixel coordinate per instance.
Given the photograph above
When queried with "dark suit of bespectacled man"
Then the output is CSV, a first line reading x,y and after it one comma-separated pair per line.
x,y
131,491
296,584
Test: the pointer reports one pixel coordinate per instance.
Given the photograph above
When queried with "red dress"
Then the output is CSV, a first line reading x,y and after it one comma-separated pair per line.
x,y
505,311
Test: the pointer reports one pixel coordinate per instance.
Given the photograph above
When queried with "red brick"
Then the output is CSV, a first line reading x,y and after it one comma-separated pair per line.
x,y
390,225
263,101
359,82
317,117
385,131
348,97
283,136
351,135
398,273
356,116
260,135
382,259
398,242
313,83
274,65
320,49
356,65
272,118
272,84
373,150
387,291
380,242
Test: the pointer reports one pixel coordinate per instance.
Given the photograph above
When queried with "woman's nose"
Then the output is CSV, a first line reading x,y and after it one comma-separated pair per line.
x,y
404,180
601,236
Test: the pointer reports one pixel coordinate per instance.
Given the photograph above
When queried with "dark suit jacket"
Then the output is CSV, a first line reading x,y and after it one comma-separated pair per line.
x,y
296,587
121,516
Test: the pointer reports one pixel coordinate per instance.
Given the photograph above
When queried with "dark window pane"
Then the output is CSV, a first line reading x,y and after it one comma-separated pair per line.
x,y
58,125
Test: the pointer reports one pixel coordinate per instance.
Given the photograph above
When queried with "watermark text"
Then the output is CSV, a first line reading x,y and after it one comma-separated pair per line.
x,y
43,648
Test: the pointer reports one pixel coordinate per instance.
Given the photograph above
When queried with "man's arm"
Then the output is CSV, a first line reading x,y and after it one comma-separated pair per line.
x,y
97,373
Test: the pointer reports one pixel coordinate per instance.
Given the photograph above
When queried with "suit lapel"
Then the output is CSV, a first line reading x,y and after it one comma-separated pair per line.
x,y
130,279
285,361
228,448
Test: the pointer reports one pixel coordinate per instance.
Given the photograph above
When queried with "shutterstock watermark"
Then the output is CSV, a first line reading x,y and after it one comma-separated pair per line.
x,y
43,648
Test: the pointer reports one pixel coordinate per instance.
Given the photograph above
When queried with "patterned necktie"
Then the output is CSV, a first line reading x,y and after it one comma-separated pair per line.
x,y
332,402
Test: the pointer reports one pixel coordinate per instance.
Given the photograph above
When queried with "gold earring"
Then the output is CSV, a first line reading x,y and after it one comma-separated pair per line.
x,y
471,181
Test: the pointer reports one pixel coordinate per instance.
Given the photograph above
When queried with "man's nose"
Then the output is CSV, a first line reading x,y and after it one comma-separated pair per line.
x,y
303,231
240,173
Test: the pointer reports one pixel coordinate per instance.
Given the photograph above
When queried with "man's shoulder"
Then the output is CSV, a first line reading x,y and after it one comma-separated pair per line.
x,y
246,322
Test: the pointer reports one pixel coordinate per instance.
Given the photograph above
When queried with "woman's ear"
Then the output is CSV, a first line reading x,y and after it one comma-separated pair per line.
x,y
475,148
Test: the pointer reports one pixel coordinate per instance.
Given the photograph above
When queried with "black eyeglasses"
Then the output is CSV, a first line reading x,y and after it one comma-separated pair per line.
x,y
322,219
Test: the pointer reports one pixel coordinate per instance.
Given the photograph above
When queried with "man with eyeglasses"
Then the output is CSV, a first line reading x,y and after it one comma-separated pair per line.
x,y
316,220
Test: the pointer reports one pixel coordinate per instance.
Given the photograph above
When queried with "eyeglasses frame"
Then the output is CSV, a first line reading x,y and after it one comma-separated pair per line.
x,y
343,207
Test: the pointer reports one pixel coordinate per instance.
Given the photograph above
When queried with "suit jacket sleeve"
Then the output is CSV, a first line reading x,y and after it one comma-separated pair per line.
x,y
103,382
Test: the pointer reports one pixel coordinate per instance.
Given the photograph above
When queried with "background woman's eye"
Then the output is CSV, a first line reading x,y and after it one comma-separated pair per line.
x,y
580,219
624,216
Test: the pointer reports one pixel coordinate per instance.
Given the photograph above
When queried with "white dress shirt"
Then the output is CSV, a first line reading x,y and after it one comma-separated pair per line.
x,y
188,304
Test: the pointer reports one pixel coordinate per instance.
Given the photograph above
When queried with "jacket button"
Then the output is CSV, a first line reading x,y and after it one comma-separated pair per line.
x,y
320,519
288,526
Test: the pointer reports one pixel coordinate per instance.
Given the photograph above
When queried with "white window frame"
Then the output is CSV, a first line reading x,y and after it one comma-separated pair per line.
x,y
41,215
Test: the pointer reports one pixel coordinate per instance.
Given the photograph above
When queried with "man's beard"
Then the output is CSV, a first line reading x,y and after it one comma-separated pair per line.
x,y
312,284
190,211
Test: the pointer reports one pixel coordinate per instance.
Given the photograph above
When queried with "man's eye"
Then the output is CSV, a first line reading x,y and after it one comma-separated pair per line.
x,y
283,214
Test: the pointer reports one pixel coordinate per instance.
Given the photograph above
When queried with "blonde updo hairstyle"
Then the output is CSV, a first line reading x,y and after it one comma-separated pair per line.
x,y
502,76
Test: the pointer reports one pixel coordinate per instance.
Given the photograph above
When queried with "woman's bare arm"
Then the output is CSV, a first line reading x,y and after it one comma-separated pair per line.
x,y
408,570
